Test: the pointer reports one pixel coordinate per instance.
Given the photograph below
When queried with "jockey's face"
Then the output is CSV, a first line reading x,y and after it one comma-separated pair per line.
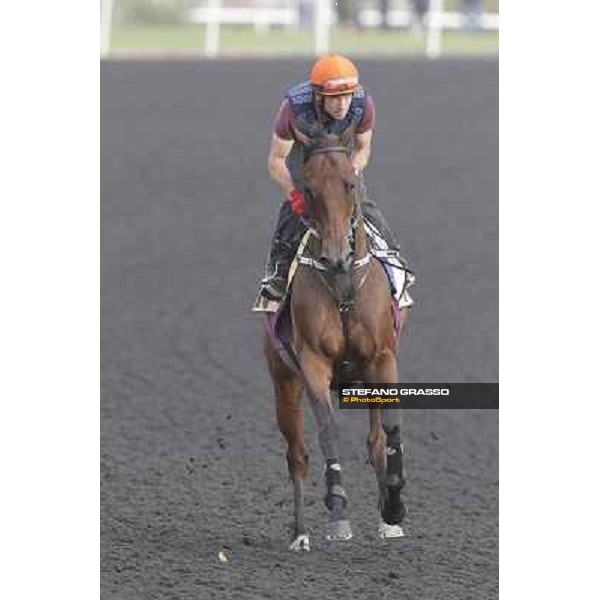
x,y
337,106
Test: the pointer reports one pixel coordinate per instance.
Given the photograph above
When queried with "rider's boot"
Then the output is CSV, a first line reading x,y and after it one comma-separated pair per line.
x,y
378,224
284,244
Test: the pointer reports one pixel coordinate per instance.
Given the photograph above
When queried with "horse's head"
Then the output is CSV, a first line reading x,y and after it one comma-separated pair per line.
x,y
330,191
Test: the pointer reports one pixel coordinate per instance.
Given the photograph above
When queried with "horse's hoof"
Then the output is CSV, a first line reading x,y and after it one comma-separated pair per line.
x,y
390,531
301,543
338,530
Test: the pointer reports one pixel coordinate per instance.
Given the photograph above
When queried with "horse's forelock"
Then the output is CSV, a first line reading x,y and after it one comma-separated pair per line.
x,y
321,166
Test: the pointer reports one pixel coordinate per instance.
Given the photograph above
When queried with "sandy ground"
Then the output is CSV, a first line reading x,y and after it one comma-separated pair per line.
x,y
192,461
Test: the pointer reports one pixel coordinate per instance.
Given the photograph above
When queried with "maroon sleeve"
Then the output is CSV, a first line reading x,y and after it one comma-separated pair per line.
x,y
282,126
368,120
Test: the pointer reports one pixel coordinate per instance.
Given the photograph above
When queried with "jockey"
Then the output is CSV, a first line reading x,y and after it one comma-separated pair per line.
x,y
333,100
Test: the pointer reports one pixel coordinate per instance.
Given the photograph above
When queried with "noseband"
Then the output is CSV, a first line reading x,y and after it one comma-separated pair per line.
x,y
326,150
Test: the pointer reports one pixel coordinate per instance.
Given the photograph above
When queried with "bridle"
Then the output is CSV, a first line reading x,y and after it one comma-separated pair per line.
x,y
345,302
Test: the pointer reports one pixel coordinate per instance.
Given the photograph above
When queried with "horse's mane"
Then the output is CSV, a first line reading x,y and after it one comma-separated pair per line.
x,y
312,137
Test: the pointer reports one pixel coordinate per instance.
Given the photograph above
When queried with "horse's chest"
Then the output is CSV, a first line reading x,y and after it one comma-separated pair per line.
x,y
361,341
353,340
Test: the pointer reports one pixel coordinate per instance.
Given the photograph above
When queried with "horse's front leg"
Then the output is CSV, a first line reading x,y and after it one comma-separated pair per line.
x,y
386,457
290,418
317,370
376,448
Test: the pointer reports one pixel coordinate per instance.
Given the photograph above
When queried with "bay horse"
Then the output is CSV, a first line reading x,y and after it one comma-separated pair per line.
x,y
342,330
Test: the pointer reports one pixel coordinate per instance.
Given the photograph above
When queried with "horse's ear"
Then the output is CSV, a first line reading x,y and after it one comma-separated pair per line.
x,y
305,132
348,134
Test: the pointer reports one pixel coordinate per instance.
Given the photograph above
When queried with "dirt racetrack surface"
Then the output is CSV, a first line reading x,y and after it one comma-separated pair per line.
x,y
192,460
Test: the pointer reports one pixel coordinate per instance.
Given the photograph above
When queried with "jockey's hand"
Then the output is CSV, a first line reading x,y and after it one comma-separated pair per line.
x,y
298,203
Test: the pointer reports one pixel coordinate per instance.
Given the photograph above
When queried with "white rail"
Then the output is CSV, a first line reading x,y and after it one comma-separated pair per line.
x,y
106,16
370,17
263,17
259,17
322,24
433,44
214,18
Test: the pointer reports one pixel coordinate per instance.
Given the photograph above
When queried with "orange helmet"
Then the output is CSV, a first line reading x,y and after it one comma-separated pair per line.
x,y
333,75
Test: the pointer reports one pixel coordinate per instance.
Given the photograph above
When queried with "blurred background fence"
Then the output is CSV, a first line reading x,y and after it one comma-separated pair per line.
x,y
214,28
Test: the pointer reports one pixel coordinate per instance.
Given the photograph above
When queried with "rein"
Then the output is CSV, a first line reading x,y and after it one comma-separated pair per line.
x,y
327,150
